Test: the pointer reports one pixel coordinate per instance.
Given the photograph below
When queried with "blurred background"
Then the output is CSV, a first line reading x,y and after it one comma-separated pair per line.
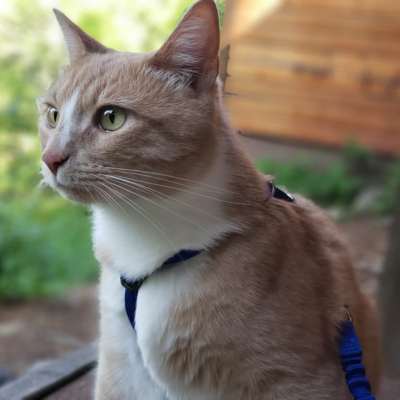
x,y
313,86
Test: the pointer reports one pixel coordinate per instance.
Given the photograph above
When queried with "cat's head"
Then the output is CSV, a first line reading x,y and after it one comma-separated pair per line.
x,y
117,120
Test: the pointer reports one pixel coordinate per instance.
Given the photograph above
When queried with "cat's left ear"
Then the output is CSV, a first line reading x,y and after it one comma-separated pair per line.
x,y
78,42
192,49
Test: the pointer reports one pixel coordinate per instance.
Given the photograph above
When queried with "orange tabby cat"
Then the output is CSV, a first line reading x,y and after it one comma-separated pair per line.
x,y
144,140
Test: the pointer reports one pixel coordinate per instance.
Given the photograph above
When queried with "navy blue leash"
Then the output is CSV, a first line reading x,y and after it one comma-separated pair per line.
x,y
350,347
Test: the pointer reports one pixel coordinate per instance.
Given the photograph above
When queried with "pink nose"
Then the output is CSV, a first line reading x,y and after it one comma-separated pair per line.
x,y
54,160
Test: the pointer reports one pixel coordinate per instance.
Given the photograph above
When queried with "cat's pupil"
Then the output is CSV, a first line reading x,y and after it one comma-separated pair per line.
x,y
111,115
55,115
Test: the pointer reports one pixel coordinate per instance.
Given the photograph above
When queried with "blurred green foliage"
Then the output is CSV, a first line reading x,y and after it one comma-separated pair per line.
x,y
340,183
330,186
45,244
44,248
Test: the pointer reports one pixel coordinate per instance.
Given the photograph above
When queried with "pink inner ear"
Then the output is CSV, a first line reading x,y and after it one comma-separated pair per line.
x,y
192,49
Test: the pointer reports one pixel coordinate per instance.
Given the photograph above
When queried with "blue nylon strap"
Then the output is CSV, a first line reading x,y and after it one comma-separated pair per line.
x,y
278,193
132,288
181,256
351,357
131,293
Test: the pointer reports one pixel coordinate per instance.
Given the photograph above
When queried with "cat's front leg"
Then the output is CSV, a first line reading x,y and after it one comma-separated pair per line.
x,y
110,381
117,379
121,374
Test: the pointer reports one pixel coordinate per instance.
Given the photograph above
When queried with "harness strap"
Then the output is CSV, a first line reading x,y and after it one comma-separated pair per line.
x,y
280,194
132,287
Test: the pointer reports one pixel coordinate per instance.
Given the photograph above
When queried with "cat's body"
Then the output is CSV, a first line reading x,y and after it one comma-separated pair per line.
x,y
256,314
254,317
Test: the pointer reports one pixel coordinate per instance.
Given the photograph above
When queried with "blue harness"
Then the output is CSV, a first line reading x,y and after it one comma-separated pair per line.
x,y
350,347
132,288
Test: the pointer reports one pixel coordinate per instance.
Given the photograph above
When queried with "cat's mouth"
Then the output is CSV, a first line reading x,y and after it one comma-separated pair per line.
x,y
67,186
73,190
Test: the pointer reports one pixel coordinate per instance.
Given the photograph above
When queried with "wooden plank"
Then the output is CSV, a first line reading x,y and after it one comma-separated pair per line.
x,y
302,43
377,7
361,117
379,26
359,33
258,51
335,40
268,119
344,65
340,38
46,376
81,388
335,75
337,68
248,52
321,70
380,98
351,32
323,113
374,98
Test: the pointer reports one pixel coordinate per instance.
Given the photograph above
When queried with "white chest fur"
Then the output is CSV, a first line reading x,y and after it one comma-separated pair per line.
x,y
135,245
157,300
145,373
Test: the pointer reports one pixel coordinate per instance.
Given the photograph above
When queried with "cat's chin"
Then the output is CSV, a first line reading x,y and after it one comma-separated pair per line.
x,y
75,194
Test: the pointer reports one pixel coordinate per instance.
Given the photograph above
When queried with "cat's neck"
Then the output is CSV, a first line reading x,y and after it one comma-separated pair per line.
x,y
195,218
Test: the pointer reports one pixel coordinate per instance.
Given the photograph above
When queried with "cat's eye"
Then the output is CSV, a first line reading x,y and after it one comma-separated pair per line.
x,y
52,116
112,118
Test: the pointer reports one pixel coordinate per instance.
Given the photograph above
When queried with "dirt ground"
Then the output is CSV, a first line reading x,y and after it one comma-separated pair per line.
x,y
48,328
40,329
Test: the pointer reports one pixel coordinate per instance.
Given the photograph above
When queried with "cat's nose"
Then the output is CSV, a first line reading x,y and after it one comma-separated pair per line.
x,y
54,160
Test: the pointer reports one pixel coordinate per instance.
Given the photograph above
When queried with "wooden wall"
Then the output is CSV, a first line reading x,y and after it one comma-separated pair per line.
x,y
324,71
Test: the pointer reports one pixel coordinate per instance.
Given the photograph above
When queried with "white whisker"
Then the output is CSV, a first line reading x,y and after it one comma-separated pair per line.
x,y
159,206
165,197
165,177
136,181
137,209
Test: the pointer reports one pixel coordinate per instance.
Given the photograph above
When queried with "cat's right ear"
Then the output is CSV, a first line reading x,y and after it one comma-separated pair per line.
x,y
192,49
77,41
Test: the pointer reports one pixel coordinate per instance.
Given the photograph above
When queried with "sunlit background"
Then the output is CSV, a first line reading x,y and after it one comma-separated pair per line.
x,y
312,85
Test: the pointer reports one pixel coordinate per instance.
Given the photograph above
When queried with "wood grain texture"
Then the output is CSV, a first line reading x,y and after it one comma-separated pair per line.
x,y
48,376
80,388
325,71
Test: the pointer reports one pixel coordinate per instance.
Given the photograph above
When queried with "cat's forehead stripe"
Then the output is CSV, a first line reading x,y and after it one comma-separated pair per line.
x,y
68,117
100,77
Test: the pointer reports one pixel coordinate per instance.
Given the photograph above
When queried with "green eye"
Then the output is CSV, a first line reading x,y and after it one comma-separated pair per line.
x,y
52,116
112,118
